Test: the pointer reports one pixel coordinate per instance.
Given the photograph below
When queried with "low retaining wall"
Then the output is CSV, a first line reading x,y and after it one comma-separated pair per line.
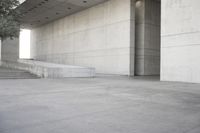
x,y
50,70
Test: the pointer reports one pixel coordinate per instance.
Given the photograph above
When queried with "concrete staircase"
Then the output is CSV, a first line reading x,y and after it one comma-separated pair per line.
x,y
7,73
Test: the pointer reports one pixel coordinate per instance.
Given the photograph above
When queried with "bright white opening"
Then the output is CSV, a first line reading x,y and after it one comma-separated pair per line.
x,y
21,1
24,46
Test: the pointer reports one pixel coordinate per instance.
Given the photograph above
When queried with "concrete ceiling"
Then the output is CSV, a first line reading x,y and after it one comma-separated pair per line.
x,y
38,12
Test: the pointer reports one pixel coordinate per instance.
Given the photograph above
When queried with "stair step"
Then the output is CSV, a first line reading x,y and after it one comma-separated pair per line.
x,y
6,73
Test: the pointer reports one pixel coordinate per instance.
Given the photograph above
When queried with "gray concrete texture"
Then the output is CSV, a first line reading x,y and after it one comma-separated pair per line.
x,y
39,12
7,73
50,70
10,50
103,37
180,41
98,37
147,40
99,105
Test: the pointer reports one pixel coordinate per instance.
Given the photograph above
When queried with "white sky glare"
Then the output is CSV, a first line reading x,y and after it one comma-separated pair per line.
x,y
24,47
21,1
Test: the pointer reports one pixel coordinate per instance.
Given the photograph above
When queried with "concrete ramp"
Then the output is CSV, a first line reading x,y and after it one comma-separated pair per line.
x,y
51,70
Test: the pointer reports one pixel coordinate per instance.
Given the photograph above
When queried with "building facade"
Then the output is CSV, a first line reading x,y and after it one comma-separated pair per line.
x,y
123,37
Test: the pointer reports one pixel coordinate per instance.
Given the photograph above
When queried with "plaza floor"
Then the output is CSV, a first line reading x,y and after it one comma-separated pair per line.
x,y
104,104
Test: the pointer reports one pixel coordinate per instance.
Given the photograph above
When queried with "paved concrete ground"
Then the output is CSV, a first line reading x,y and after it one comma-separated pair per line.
x,y
98,105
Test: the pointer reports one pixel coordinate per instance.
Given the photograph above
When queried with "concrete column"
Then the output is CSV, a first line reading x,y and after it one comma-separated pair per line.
x,y
180,41
147,39
10,50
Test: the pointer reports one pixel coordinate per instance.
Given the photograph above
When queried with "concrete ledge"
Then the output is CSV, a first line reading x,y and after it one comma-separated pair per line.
x,y
51,70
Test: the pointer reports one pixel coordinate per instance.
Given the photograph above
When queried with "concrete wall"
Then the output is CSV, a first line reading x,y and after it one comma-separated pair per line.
x,y
147,32
180,52
10,50
98,37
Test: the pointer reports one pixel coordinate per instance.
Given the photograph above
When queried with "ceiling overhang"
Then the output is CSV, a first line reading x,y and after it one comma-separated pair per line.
x,y
38,12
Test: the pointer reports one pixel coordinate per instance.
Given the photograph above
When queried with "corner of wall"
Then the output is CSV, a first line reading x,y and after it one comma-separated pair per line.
x,y
132,38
